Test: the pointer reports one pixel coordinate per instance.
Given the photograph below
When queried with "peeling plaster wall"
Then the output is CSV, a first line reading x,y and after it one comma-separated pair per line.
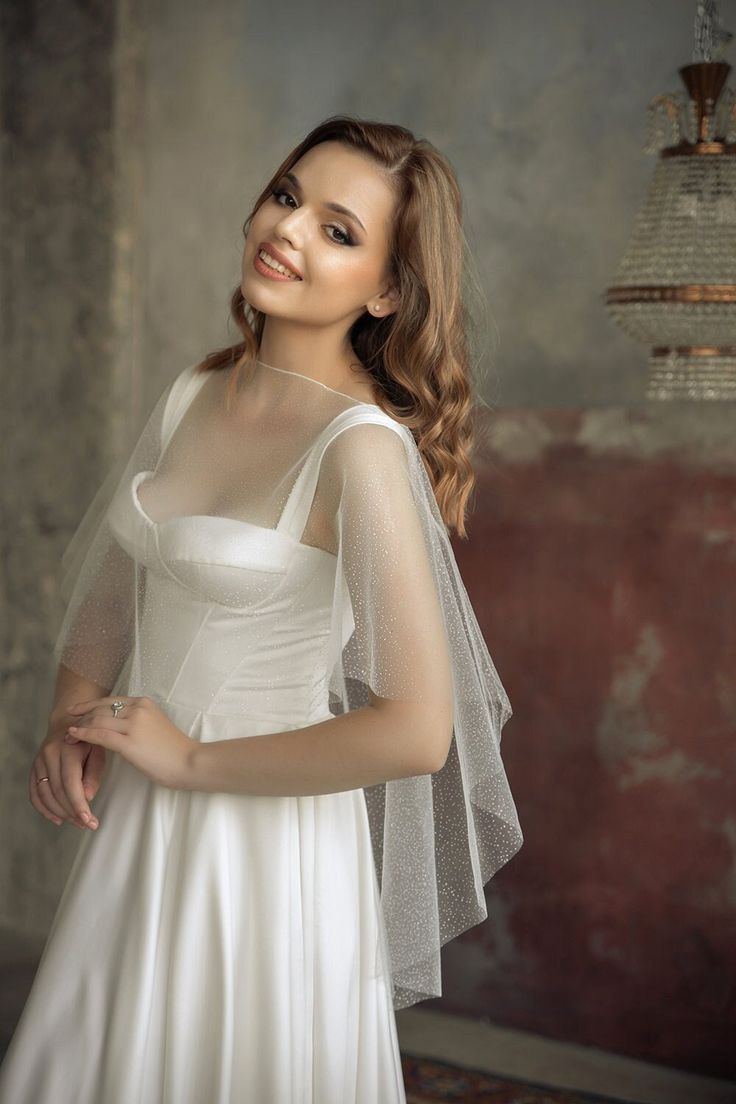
x,y
601,558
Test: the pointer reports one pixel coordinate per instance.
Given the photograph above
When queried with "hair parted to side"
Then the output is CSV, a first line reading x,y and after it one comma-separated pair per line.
x,y
420,356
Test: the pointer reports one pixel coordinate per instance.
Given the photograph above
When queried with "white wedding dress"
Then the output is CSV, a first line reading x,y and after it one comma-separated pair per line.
x,y
213,948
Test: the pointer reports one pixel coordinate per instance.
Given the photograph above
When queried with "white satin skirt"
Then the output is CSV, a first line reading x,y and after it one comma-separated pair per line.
x,y
212,949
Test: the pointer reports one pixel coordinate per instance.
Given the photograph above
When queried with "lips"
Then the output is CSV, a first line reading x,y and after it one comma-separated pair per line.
x,y
279,256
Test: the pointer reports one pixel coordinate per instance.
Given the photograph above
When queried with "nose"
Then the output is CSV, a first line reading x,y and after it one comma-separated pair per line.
x,y
288,228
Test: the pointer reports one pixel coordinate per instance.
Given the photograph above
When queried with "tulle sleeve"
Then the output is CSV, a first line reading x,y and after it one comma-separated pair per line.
x,y
102,578
398,645
403,627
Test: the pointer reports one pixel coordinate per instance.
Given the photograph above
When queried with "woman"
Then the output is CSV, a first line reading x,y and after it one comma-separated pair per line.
x,y
267,626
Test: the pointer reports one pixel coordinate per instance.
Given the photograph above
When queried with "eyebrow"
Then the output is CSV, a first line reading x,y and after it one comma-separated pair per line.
x,y
331,206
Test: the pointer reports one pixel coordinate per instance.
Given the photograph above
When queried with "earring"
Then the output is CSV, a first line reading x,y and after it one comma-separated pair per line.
x,y
377,306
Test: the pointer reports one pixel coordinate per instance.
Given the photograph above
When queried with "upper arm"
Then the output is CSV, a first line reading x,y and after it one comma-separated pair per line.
x,y
399,647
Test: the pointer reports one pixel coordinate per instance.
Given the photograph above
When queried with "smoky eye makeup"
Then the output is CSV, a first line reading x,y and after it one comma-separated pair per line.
x,y
346,238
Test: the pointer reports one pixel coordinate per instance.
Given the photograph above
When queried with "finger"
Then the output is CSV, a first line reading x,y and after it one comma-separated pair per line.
x,y
97,719
95,703
103,737
46,791
55,784
37,803
43,801
71,777
93,771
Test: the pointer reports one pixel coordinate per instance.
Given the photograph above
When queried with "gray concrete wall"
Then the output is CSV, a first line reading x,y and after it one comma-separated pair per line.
x,y
540,106
56,264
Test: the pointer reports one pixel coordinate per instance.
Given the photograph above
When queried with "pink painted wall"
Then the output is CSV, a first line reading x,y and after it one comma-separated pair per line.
x,y
602,567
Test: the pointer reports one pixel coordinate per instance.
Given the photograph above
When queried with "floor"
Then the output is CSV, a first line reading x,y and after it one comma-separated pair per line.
x,y
482,1046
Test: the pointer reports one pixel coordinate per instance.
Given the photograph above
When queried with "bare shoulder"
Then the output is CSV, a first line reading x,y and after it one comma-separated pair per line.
x,y
373,443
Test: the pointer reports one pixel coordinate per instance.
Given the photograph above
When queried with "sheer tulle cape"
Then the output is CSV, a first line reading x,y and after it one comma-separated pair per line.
x,y
400,624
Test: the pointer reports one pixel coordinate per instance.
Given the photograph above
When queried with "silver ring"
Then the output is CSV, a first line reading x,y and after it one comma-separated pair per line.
x,y
44,779
116,706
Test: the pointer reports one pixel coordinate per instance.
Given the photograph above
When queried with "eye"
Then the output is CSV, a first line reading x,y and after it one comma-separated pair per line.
x,y
346,237
276,192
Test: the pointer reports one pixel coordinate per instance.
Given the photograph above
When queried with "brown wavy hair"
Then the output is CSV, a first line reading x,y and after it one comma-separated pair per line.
x,y
420,356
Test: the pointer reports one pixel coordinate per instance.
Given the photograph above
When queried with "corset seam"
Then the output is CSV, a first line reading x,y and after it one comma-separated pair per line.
x,y
192,642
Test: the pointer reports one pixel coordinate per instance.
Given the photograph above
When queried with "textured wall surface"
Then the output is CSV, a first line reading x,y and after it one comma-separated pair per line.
x,y
541,107
56,263
601,558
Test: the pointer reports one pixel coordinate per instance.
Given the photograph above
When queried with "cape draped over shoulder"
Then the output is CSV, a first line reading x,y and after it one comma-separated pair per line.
x,y
311,525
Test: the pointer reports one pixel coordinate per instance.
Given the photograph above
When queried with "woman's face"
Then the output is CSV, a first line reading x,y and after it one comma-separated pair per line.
x,y
341,262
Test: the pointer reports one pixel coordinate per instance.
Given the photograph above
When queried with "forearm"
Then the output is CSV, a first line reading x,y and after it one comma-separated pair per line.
x,y
71,688
100,635
347,752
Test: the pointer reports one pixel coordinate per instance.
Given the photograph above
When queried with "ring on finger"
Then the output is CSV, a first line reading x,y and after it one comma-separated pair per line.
x,y
46,778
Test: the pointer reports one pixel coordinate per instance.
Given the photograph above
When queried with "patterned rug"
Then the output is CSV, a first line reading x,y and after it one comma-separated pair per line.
x,y
429,1081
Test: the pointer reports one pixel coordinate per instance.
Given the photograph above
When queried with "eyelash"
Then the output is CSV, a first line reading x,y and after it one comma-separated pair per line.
x,y
276,192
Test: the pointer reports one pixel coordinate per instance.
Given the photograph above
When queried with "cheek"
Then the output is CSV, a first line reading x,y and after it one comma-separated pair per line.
x,y
344,271
260,227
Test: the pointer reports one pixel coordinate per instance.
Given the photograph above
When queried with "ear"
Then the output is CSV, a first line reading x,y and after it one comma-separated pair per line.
x,y
388,302
394,299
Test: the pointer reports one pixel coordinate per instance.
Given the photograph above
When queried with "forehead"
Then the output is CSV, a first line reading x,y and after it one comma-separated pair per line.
x,y
332,172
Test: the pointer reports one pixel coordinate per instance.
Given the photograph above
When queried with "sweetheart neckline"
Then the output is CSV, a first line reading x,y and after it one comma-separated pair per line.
x,y
309,548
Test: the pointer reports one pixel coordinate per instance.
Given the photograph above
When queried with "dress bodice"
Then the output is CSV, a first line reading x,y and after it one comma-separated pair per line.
x,y
234,616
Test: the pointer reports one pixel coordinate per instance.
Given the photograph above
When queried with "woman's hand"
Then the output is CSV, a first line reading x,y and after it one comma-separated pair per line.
x,y
142,733
71,775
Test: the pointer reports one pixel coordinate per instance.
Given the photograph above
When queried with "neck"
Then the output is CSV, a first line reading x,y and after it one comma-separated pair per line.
x,y
320,355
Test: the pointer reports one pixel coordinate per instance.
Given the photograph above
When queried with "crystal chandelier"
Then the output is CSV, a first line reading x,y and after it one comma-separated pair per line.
x,y
675,288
